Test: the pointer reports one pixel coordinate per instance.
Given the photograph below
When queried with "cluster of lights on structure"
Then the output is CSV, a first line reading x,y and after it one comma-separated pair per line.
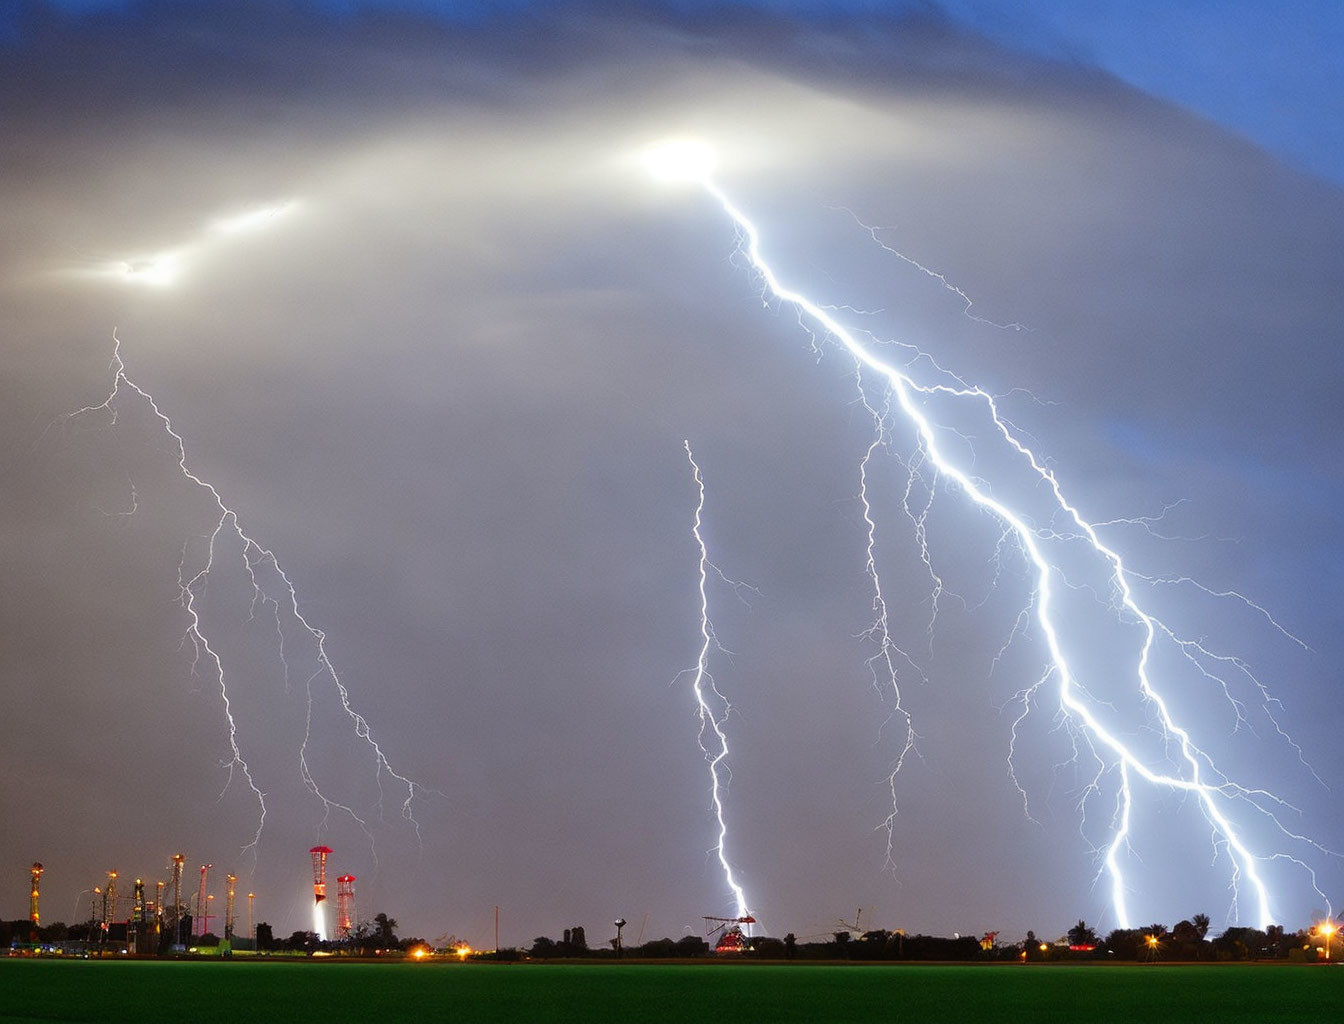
x,y
144,919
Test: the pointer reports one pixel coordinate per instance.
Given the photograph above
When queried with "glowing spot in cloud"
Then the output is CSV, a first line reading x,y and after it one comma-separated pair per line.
x,y
168,267
252,220
159,271
678,161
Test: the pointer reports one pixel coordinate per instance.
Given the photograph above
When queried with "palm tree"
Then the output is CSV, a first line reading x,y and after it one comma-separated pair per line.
x,y
1081,935
1201,923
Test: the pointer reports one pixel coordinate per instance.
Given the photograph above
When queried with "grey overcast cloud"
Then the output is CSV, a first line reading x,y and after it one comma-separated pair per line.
x,y
427,324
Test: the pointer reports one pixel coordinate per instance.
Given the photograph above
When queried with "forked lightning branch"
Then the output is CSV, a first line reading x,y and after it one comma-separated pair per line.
x,y
1046,536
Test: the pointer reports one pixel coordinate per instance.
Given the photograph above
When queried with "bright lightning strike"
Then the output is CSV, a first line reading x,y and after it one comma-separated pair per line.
x,y
711,705
271,588
1178,764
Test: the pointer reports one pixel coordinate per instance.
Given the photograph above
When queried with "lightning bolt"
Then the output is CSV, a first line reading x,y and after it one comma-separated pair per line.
x,y
712,707
1180,765
271,587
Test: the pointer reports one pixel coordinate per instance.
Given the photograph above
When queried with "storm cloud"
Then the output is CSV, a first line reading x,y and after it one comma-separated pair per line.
x,y
447,382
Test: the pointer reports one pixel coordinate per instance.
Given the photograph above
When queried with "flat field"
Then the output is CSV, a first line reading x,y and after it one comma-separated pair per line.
x,y
333,993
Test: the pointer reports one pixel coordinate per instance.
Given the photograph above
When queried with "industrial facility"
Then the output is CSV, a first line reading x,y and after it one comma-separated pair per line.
x,y
136,923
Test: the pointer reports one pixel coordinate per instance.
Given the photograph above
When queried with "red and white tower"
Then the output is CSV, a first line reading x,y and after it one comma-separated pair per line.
x,y
198,926
345,905
320,854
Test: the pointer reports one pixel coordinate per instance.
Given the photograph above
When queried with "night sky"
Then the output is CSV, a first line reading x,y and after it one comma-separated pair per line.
x,y
444,369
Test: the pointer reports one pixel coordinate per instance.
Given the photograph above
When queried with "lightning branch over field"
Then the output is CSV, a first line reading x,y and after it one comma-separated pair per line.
x,y
1072,573
712,707
271,588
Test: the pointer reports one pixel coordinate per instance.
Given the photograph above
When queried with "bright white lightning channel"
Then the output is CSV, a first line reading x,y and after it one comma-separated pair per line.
x,y
263,570
711,705
1188,769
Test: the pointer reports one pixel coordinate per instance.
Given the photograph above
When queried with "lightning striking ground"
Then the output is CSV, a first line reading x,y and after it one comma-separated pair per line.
x,y
712,707
271,588
1043,527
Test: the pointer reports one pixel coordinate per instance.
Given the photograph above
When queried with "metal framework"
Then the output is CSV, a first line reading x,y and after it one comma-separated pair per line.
x,y
109,900
178,861
319,854
197,925
34,917
228,907
345,905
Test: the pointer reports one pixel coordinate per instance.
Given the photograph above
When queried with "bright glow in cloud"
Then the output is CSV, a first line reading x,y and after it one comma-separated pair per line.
x,y
251,220
680,160
168,267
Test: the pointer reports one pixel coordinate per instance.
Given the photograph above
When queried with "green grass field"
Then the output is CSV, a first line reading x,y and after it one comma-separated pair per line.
x,y
302,992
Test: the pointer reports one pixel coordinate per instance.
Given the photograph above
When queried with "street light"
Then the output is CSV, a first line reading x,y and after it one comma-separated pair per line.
x,y
1327,928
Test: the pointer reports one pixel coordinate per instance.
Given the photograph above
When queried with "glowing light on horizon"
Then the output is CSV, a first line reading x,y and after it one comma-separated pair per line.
x,y
1189,770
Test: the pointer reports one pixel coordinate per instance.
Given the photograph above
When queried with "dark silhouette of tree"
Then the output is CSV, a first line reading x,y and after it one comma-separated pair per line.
x,y
1201,923
657,949
542,948
364,937
265,937
578,939
1082,935
1186,942
790,941
1126,943
1242,944
386,930
302,941
691,945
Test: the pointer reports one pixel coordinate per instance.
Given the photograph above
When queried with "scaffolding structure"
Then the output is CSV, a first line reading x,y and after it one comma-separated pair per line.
x,y
34,917
178,861
198,926
228,907
345,906
319,855
109,901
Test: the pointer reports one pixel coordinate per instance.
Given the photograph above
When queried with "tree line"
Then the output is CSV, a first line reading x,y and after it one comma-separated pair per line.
x,y
1188,940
